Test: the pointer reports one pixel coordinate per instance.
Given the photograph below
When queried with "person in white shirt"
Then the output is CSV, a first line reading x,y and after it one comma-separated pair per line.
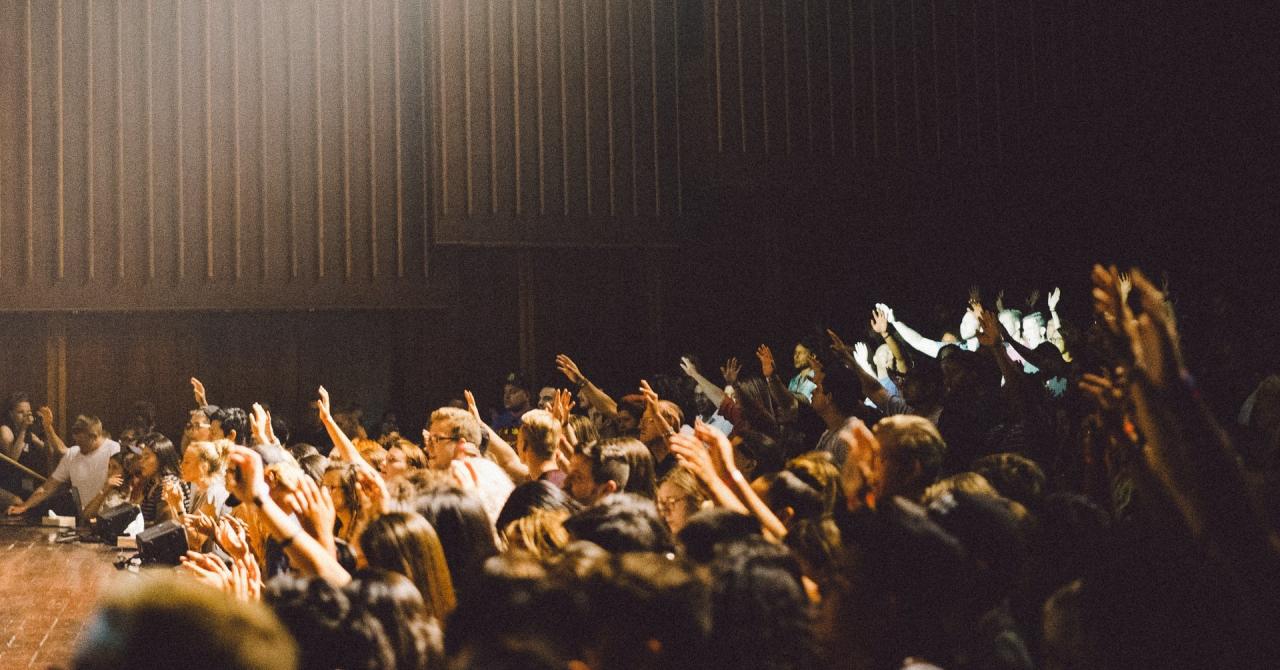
x,y
84,466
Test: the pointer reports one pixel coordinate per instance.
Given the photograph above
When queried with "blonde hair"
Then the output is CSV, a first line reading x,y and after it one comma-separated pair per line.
x,y
460,423
87,425
540,533
969,482
541,431
212,454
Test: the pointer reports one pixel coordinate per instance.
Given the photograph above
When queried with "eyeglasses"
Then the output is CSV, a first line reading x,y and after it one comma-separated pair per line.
x,y
432,438
668,504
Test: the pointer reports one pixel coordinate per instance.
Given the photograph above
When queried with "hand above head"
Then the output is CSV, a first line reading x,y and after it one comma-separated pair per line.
x,y
562,406
244,470
472,407
16,510
46,416
1054,296
861,355
650,396
886,311
999,301
315,509
730,370
570,370
975,295
688,367
197,390
374,489
989,333
206,569
718,446
765,355
880,322
1033,299
326,409
260,424
693,454
837,344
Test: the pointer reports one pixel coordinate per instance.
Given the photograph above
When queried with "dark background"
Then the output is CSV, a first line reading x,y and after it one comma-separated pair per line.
x,y
1050,138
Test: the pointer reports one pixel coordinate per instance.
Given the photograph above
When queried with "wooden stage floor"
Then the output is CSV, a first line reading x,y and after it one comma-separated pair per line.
x,y
48,589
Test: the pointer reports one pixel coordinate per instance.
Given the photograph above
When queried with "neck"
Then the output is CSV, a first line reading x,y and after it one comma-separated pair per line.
x,y
832,418
539,466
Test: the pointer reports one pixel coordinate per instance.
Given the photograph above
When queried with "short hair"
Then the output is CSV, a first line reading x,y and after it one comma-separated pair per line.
x,y
234,418
16,398
844,387
969,482
608,461
642,477
710,528
905,436
461,424
541,431
162,618
87,424
531,496
622,522
314,466
1015,477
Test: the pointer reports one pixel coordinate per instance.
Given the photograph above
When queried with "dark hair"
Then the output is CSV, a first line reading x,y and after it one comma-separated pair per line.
x,y
168,460
331,631
709,528
760,616
608,462
234,418
398,606
845,389
1015,476
789,489
642,478
649,598
300,449
764,450
622,522
280,427
350,485
14,399
529,496
992,535
144,411
464,531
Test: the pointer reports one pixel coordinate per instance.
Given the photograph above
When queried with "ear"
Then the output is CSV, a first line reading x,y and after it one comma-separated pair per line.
x,y
608,487
231,435
788,513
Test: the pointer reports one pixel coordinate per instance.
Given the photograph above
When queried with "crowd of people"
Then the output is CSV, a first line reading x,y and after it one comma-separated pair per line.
x,y
1021,492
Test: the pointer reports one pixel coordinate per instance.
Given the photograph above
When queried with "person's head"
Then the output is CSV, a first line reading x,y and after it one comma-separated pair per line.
x,y
17,409
199,427
403,457
626,423
989,528
314,465
142,417
534,495
154,621
655,613
159,457
515,394
86,432
447,433
343,485
331,629
882,358
583,428
793,496
540,533
546,397
1033,329
712,527
922,385
203,461
801,356
651,430
760,614
680,495
1011,319
910,458
1014,476
839,391
597,470
465,532
233,424
969,482
405,542
393,599
969,325
755,453
622,522
537,438
642,478
817,468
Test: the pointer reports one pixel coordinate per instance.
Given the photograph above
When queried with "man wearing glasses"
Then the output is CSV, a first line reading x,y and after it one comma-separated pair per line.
x,y
451,440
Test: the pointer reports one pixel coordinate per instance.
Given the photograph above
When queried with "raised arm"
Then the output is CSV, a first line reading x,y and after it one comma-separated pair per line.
x,y
917,341
871,387
714,393
500,451
341,442
786,403
57,448
595,395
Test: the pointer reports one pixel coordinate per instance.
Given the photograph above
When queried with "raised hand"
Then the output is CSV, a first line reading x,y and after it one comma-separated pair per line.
x,y
886,311
316,512
999,301
1126,285
173,496
862,355
46,417
1107,395
244,472
837,344
975,295
1054,296
694,455
989,332
570,370
231,535
245,583
650,396
562,406
880,321
197,390
260,424
324,406
718,446
1109,301
1153,337
688,367
472,407
765,355
858,468
207,569
374,490
1033,299
730,370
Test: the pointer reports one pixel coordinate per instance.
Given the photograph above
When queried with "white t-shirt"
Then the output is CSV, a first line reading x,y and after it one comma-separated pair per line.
x,y
87,473
484,478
